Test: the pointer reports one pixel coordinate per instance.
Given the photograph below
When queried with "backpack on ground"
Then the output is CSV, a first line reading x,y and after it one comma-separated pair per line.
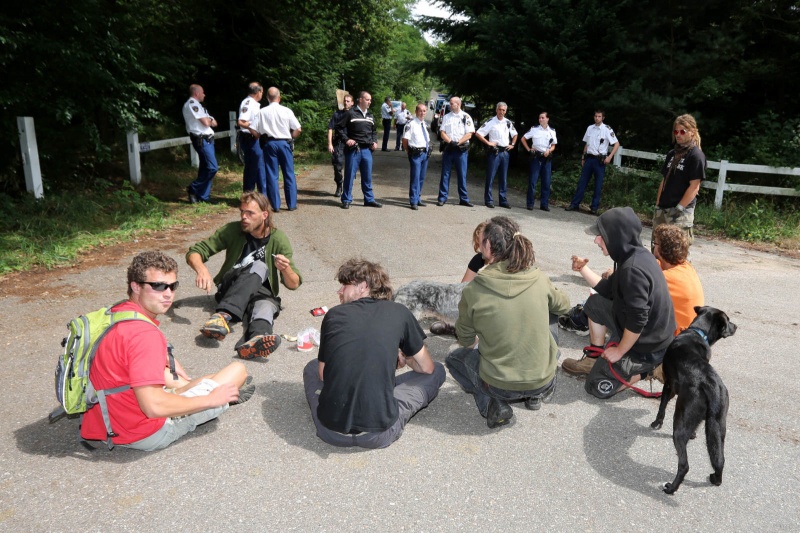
x,y
74,390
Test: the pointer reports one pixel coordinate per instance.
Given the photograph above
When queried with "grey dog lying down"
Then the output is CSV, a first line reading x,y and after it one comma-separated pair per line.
x,y
431,299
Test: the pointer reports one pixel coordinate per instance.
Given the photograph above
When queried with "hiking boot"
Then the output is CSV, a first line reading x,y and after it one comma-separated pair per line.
x,y
534,403
499,413
574,321
443,328
584,365
216,327
338,190
259,346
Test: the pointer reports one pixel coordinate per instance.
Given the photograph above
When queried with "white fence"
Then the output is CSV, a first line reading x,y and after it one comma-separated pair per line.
x,y
33,172
724,167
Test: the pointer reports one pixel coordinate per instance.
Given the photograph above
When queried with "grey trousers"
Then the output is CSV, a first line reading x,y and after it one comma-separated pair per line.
x,y
412,391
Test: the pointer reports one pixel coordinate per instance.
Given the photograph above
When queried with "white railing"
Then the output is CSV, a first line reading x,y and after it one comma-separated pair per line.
x,y
724,167
136,148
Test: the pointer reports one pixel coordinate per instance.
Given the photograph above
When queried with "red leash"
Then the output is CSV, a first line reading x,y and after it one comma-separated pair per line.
x,y
643,392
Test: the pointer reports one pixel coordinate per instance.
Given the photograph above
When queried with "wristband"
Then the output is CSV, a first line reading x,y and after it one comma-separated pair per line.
x,y
680,208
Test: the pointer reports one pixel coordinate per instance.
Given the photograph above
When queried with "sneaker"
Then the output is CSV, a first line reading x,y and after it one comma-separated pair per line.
x,y
259,346
574,321
192,196
499,413
216,327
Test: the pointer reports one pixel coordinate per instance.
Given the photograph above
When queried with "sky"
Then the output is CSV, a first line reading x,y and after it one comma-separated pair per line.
x,y
427,8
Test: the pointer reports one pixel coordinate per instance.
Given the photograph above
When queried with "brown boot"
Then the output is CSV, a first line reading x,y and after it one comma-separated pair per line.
x,y
578,367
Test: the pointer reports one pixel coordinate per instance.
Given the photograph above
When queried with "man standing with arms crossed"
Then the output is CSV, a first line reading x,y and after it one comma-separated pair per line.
x,y
499,135
417,144
255,176
456,130
598,138
277,128
199,126
357,129
336,144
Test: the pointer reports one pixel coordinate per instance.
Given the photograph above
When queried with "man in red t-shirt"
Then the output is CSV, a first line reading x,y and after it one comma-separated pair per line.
x,y
157,409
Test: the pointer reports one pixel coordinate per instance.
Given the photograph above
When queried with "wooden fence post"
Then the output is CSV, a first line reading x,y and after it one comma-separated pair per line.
x,y
232,119
723,170
30,156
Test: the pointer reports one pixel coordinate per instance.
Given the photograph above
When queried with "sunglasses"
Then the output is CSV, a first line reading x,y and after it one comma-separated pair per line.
x,y
679,132
160,286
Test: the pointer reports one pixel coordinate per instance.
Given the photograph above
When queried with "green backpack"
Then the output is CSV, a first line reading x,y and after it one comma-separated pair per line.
x,y
74,390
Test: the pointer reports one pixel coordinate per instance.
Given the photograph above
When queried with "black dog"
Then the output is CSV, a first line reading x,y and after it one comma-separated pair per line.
x,y
701,393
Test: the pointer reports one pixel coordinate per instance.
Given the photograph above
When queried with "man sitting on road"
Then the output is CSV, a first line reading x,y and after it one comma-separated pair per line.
x,y
158,409
257,254
354,395
511,307
633,303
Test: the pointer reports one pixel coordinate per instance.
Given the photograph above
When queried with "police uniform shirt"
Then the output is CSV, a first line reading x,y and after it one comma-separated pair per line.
x,y
541,138
403,116
498,131
456,125
276,122
193,111
248,110
599,139
414,134
386,111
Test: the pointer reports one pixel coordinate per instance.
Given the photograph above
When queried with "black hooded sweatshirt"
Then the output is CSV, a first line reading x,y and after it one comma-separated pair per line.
x,y
638,289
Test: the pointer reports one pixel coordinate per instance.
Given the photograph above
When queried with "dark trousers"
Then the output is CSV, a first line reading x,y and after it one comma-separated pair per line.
x,y
255,176
591,166
496,164
387,129
201,187
540,168
279,153
454,157
242,295
357,159
337,160
400,130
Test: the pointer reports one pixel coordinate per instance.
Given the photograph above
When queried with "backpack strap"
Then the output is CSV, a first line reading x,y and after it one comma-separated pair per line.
x,y
101,399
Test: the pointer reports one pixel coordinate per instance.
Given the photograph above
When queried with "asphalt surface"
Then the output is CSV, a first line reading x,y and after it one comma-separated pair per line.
x,y
578,464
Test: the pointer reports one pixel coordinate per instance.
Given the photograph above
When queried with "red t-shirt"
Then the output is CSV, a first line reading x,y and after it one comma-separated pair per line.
x,y
133,353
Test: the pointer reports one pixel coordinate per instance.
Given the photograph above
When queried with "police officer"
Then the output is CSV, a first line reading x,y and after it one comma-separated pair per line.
x,y
255,175
199,126
357,128
336,144
456,130
278,128
402,117
598,138
417,144
499,136
543,144
387,111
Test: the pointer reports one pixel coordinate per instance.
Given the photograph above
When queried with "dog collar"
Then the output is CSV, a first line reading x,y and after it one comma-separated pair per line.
x,y
699,332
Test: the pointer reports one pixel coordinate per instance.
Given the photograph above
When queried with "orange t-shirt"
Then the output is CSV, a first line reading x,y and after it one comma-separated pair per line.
x,y
686,292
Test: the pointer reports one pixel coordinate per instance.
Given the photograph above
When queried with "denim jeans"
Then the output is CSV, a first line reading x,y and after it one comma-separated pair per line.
x,y
201,187
357,159
496,164
450,157
540,168
255,176
419,167
280,153
591,166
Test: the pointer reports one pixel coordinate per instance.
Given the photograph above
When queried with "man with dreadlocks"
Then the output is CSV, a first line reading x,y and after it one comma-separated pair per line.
x,y
683,170
510,307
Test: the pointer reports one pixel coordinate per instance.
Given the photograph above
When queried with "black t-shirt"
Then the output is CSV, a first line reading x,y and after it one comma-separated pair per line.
x,y
358,344
254,250
476,263
692,166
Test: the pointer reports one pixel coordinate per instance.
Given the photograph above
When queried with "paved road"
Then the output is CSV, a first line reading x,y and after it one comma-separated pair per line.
x,y
579,464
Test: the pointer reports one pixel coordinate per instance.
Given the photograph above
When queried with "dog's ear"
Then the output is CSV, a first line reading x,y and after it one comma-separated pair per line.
x,y
697,309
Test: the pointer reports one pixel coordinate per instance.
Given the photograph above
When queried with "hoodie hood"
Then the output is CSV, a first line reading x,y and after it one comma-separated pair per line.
x,y
621,230
499,280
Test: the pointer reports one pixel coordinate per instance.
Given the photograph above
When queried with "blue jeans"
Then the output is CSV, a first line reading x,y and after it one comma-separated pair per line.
x,y
280,153
449,158
591,166
496,164
201,187
255,176
419,167
357,159
540,168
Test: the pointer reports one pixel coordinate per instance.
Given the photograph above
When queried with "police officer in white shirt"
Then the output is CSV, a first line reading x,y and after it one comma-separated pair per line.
x,y
278,128
401,118
199,126
499,135
255,176
598,138
456,130
417,144
543,144
387,111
